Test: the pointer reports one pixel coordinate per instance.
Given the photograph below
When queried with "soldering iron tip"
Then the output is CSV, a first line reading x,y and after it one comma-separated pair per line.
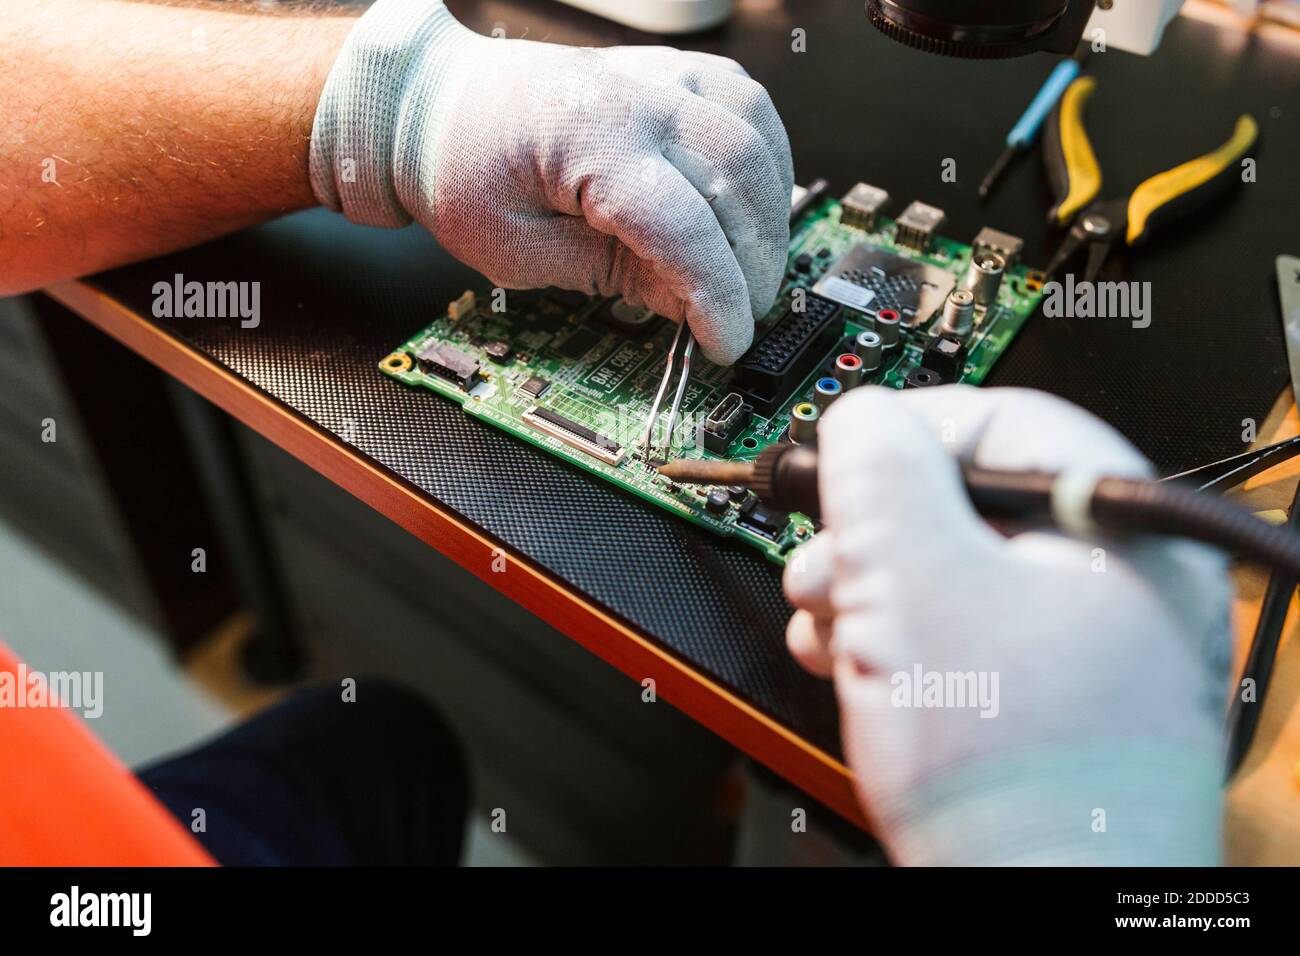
x,y
698,471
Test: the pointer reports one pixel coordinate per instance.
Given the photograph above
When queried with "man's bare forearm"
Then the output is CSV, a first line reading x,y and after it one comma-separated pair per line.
x,y
130,128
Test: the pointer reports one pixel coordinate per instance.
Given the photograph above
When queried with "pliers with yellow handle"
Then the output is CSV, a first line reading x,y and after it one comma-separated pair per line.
x,y
1075,177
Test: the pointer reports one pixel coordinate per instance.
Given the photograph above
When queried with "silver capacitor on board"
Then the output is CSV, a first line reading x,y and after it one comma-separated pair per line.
x,y
984,277
959,313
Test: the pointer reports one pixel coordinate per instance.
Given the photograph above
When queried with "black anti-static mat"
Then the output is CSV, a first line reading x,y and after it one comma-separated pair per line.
x,y
337,297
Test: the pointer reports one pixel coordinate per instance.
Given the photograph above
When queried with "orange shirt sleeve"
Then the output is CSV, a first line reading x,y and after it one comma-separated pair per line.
x,y
66,801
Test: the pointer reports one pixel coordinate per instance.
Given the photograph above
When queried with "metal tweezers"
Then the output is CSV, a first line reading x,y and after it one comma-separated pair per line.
x,y
1227,473
675,413
1216,478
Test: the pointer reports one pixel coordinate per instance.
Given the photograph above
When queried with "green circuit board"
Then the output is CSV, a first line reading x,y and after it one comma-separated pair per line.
x,y
576,376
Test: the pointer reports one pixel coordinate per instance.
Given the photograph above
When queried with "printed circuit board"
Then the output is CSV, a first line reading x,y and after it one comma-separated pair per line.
x,y
577,376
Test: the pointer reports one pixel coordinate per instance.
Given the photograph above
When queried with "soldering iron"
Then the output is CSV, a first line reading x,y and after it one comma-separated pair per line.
x,y
784,476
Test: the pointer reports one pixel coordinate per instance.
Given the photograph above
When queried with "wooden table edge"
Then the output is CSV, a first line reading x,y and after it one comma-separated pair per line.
x,y
704,700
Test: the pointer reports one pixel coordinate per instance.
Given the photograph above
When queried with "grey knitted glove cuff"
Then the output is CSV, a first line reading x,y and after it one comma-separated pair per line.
x,y
1117,803
380,105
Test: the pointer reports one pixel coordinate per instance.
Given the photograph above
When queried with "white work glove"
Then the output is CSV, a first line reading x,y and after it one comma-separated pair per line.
x,y
1102,742
660,175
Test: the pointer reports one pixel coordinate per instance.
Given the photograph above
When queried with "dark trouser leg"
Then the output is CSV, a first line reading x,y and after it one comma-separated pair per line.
x,y
317,781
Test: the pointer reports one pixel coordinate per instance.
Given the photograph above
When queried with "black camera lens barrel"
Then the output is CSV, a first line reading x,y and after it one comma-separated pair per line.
x,y
982,29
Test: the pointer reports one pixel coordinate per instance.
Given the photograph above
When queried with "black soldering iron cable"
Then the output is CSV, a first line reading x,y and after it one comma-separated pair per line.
x,y
1126,506
1171,508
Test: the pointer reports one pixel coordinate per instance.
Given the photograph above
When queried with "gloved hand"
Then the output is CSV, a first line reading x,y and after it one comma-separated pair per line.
x,y
1093,673
660,175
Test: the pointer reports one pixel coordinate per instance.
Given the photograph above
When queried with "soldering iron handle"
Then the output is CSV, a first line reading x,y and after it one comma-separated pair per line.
x,y
1022,495
785,477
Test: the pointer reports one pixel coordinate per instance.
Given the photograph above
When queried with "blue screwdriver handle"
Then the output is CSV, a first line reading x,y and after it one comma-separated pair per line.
x,y
1022,135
